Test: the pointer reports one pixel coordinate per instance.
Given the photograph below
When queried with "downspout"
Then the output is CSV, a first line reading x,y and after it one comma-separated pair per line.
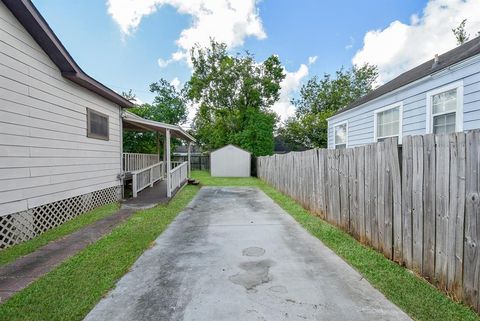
x,y
122,173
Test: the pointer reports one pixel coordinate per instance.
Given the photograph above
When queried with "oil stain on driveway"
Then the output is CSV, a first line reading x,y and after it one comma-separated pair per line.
x,y
233,254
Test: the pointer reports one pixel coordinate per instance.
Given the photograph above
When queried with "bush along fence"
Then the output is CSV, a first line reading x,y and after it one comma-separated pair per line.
x,y
418,204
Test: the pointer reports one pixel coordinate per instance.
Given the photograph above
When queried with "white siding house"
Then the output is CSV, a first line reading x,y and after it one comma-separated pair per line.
x,y
230,161
441,95
47,153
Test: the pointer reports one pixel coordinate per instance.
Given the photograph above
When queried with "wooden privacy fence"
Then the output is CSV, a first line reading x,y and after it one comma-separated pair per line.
x,y
419,205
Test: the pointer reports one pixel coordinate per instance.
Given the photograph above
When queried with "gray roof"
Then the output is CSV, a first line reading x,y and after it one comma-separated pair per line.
x,y
454,56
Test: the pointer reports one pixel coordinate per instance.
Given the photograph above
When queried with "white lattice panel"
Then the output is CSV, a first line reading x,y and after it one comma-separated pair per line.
x,y
19,227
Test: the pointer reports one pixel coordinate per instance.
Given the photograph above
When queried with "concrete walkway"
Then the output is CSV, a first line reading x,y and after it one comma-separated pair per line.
x,y
233,254
19,274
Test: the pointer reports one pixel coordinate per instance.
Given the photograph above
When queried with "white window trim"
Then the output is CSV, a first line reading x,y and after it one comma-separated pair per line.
x,y
458,85
346,133
400,121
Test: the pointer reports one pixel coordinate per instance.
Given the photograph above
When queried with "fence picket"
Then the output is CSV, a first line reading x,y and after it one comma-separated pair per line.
x,y
441,205
471,266
417,204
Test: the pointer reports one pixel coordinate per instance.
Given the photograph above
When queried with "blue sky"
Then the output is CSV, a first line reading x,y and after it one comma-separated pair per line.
x,y
119,42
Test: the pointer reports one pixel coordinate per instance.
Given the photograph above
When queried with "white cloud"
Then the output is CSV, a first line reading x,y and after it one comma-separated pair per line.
x,y
129,13
290,85
176,83
312,60
400,47
164,63
350,44
228,21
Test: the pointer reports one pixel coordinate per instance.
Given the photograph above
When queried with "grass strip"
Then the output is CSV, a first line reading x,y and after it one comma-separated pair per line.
x,y
12,253
414,295
70,291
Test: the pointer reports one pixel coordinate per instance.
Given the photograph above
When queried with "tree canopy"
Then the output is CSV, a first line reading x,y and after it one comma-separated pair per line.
x,y
169,106
320,98
234,95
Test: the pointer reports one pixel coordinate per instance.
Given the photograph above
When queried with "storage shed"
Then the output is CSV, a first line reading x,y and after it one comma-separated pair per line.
x,y
230,161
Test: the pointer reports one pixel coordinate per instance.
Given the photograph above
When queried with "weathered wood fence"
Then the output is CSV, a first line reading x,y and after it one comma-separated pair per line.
x,y
419,205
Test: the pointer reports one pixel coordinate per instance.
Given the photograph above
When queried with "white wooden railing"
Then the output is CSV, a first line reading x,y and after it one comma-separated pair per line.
x,y
135,162
146,177
178,175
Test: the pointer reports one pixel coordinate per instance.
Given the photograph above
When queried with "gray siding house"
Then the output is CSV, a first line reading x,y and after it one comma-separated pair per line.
x,y
439,96
60,130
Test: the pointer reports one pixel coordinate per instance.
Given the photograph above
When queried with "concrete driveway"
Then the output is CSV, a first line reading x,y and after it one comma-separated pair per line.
x,y
233,254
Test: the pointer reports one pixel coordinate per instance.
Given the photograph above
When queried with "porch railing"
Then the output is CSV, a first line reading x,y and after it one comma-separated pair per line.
x,y
146,177
178,175
135,161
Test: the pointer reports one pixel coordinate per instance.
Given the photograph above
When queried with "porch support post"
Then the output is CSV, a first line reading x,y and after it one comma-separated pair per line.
x,y
189,163
158,145
164,167
169,164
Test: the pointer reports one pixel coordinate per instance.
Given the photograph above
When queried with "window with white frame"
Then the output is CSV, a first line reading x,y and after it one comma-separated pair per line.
x,y
388,122
340,135
445,109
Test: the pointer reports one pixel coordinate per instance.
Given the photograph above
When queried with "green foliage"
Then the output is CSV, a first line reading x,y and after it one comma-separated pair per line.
x,y
234,95
320,98
169,106
460,33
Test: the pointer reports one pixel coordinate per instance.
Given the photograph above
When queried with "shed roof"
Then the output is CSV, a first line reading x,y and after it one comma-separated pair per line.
x,y
229,145
132,121
29,17
454,56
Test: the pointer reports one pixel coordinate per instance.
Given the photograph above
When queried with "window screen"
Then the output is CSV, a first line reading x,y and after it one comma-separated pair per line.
x,y
97,125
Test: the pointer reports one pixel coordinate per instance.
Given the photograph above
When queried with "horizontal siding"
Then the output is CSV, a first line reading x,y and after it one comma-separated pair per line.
x,y
45,155
361,119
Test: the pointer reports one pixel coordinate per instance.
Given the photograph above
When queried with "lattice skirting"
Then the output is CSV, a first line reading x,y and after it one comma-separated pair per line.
x,y
19,227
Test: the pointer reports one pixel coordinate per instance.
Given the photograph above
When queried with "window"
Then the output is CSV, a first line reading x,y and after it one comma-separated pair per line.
x,y
340,135
388,122
445,109
97,125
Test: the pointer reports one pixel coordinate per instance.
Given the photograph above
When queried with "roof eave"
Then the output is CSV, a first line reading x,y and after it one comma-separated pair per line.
x,y
29,17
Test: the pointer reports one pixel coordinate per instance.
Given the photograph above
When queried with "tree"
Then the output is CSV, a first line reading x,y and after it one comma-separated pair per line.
x,y
461,34
320,98
235,95
169,106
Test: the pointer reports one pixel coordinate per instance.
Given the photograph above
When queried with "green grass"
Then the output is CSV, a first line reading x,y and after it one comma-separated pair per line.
x,y
412,294
70,291
11,254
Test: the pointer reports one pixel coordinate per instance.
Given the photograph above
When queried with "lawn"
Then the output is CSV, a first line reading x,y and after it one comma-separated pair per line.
x,y
70,291
11,254
412,294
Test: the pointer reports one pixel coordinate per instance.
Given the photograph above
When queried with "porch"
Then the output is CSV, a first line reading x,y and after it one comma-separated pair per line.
x,y
156,179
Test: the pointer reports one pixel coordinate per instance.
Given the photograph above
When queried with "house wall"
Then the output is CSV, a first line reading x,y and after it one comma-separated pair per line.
x,y
230,161
361,119
45,155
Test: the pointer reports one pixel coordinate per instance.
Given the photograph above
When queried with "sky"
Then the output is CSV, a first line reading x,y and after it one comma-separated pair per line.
x,y
128,44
